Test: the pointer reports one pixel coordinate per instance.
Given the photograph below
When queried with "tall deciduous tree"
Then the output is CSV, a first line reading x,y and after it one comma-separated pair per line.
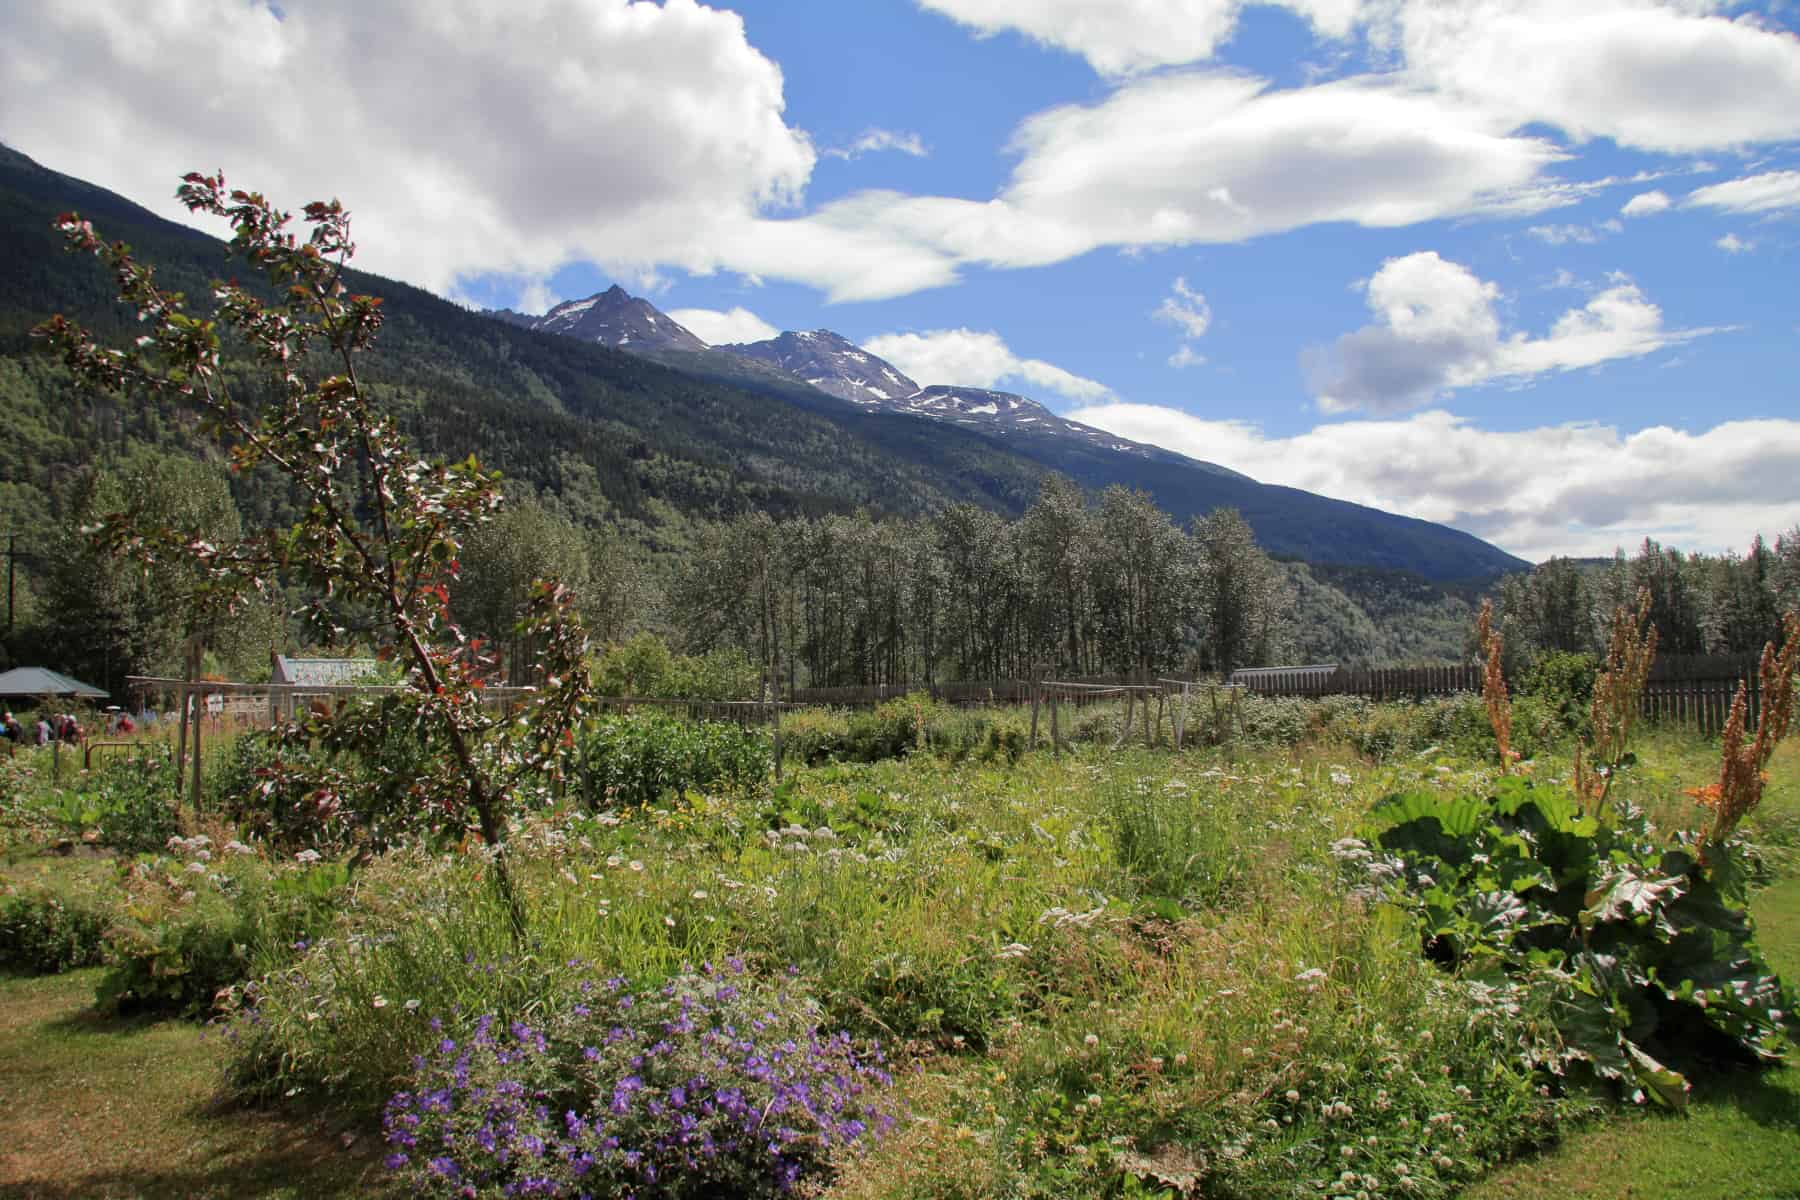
x,y
1239,593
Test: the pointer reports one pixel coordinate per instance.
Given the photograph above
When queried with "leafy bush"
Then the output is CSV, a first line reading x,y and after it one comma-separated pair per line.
x,y
896,728
712,1085
128,804
46,934
637,760
1275,720
1642,942
1564,684
186,934
644,666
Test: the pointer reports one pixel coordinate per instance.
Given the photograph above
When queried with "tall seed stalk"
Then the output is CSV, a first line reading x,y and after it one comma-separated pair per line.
x,y
1618,699
1741,775
1493,685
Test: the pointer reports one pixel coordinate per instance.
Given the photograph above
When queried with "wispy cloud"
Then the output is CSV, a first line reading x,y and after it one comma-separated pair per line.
x,y
874,140
978,358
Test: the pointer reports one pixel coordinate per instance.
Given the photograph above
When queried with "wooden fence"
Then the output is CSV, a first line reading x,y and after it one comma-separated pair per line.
x,y
1379,683
965,692
1694,691
1701,704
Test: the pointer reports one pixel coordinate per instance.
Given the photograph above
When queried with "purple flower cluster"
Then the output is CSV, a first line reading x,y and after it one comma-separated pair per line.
x,y
713,1084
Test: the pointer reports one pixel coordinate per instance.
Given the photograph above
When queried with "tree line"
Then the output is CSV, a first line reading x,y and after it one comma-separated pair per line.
x,y
1700,604
967,593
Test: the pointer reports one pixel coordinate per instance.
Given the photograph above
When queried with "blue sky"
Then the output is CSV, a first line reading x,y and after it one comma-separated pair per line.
x,y
1521,266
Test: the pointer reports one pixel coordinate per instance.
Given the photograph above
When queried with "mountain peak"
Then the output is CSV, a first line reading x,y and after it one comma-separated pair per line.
x,y
833,364
613,318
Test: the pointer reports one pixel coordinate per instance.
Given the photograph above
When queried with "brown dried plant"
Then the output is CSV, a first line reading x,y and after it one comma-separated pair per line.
x,y
1493,685
1618,698
1741,774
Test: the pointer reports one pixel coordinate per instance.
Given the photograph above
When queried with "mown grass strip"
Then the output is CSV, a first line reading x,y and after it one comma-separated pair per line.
x,y
122,1110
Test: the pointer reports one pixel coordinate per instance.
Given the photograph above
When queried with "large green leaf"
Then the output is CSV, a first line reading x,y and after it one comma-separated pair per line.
x,y
1627,896
1423,824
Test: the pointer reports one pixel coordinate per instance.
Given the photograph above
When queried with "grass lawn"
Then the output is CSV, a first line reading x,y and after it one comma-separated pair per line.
x,y
1740,1141
112,1109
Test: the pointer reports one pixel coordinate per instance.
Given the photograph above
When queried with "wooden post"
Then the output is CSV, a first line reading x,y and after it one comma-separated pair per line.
x,y
192,661
199,720
1124,725
772,689
1037,687
1181,715
1055,730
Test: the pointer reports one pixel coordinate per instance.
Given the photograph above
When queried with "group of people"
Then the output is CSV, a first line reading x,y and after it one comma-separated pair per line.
x,y
59,727
53,727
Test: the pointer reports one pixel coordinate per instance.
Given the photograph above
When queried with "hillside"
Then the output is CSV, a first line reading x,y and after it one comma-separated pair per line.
x,y
651,443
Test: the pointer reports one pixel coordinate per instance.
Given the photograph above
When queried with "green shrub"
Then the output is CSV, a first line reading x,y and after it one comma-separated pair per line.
x,y
1645,947
815,735
129,804
896,728
1275,720
174,951
45,934
1564,684
270,785
637,760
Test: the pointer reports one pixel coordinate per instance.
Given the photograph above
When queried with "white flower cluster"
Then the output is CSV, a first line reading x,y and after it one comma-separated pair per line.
x,y
1057,918
198,847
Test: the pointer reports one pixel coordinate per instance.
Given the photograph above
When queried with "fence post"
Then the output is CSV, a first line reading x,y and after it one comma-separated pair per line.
x,y
199,720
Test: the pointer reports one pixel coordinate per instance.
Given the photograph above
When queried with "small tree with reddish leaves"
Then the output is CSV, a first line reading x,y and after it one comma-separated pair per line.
x,y
381,527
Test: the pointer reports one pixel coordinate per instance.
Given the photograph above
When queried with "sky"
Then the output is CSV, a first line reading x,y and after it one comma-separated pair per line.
x,y
1524,267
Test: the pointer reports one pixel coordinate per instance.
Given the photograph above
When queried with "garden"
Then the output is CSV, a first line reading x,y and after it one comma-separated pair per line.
x,y
1348,950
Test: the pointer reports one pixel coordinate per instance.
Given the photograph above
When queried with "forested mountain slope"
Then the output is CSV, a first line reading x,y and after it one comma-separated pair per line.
x,y
612,436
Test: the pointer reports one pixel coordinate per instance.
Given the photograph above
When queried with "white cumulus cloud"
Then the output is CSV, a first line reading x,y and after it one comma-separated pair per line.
x,y
1177,159
464,138
980,359
716,328
1436,330
1731,243
1578,489
1672,77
